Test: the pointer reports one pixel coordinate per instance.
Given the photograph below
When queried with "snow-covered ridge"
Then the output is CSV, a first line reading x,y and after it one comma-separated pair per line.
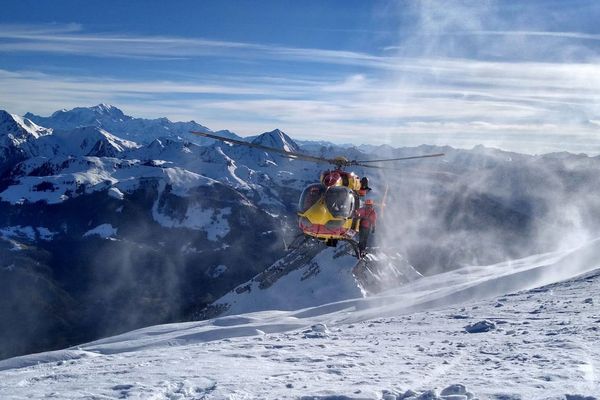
x,y
112,119
90,141
75,176
105,231
328,274
276,139
28,233
18,137
24,124
84,132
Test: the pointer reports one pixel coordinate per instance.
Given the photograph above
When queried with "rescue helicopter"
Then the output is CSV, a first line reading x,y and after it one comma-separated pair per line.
x,y
327,210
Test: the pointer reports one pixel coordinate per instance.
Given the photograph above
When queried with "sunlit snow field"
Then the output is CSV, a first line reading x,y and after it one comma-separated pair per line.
x,y
538,340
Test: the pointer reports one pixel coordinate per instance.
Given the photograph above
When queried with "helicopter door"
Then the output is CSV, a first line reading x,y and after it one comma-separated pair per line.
x,y
310,196
340,201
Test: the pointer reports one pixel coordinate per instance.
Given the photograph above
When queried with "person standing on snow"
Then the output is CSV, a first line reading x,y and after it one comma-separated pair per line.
x,y
368,218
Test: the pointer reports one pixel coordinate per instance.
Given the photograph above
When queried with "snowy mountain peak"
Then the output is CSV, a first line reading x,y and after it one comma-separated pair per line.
x,y
93,141
103,111
18,137
156,144
113,120
276,139
107,109
101,115
20,128
100,109
104,107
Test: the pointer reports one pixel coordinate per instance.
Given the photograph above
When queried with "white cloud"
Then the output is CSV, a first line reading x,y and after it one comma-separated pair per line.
x,y
417,94
69,40
562,35
484,106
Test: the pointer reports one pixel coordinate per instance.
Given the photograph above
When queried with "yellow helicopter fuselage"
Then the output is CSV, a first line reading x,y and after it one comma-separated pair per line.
x,y
328,209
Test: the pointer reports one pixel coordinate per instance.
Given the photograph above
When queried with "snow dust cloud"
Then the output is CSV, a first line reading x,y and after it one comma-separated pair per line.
x,y
482,214
493,73
470,71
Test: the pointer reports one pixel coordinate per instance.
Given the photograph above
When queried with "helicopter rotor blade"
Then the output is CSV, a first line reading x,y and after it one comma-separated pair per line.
x,y
358,164
296,156
440,174
401,158
288,154
375,166
305,157
381,167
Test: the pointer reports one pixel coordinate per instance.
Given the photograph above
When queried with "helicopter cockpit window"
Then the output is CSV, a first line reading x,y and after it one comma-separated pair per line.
x,y
310,196
340,201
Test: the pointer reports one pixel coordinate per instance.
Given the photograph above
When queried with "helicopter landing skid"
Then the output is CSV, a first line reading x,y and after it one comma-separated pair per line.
x,y
355,249
298,241
301,240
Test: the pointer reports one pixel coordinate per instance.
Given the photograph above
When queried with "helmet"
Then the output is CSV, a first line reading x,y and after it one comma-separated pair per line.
x,y
369,202
364,183
331,179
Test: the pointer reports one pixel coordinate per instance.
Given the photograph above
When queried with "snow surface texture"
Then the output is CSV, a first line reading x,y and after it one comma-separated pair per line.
x,y
27,233
408,343
322,280
309,277
95,174
105,231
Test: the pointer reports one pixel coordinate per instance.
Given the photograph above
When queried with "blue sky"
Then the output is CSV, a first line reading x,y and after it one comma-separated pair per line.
x,y
512,74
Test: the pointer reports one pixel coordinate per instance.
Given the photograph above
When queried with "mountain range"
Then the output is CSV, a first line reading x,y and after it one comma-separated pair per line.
x,y
109,222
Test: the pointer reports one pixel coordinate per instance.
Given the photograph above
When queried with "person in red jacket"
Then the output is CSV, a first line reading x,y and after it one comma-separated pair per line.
x,y
368,218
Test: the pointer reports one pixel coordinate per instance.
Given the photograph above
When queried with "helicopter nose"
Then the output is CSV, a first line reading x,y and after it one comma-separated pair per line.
x,y
318,214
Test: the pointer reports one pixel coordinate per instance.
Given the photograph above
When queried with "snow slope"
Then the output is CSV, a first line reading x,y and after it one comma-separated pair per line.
x,y
75,176
322,279
313,275
18,139
535,342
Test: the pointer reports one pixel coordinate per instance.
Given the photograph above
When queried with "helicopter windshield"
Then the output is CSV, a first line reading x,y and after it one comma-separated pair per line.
x,y
340,201
310,196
